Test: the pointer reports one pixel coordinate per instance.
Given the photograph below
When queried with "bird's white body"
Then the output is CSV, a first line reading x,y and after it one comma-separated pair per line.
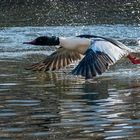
x,y
75,43
96,44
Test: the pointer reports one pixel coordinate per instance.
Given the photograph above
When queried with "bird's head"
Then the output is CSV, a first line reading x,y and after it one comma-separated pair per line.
x,y
44,40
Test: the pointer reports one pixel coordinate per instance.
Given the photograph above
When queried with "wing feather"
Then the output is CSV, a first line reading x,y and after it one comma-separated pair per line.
x,y
100,55
57,60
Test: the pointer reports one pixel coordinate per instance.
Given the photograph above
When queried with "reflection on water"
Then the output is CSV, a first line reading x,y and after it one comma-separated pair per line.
x,y
54,105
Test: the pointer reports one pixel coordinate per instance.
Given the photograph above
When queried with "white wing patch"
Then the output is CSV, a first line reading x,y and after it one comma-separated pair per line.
x,y
100,55
113,51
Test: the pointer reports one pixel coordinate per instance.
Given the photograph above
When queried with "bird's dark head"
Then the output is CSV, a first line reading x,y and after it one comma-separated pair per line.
x,y
44,40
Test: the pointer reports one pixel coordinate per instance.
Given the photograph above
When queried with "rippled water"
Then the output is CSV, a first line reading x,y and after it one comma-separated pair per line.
x,y
54,105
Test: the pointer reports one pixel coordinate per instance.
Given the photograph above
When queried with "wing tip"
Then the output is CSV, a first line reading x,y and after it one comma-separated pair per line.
x,y
35,67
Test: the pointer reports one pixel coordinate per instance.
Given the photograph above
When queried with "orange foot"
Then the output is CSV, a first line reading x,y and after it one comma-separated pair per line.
x,y
133,59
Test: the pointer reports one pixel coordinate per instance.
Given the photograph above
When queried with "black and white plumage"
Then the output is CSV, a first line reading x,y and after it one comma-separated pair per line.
x,y
96,54
99,56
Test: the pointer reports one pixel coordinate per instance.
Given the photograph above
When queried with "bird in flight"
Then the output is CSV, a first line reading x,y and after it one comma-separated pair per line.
x,y
95,53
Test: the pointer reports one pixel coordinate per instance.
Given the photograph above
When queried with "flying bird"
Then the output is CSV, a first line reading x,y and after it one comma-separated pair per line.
x,y
96,54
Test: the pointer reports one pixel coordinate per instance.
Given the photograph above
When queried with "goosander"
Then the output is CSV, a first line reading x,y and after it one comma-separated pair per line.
x,y
95,52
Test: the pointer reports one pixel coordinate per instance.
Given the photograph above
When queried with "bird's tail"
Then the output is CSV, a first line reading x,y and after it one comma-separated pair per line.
x,y
133,59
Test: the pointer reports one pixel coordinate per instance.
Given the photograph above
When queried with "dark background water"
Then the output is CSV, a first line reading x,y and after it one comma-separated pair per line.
x,y
68,12
57,106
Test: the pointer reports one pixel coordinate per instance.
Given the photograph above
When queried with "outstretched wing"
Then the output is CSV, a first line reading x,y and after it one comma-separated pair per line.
x,y
57,60
100,55
113,41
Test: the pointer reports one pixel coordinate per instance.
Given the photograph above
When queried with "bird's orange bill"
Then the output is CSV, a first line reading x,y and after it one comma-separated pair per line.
x,y
30,42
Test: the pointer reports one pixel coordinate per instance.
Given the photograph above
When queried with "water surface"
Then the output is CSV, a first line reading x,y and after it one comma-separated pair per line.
x,y
57,106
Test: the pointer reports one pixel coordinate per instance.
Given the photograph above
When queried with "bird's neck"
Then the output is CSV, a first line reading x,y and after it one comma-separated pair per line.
x,y
75,43
54,41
